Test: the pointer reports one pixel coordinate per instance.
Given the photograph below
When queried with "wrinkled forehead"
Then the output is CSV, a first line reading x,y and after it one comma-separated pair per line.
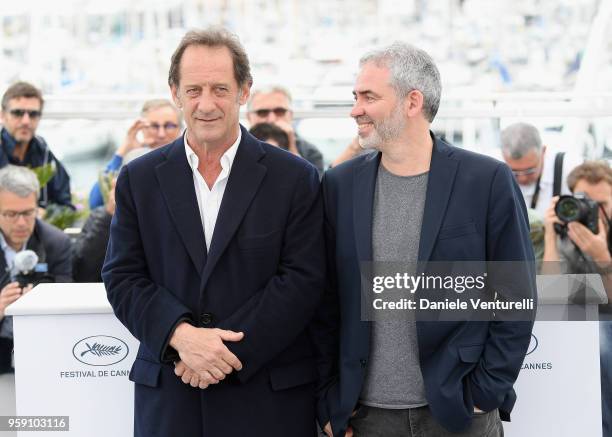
x,y
207,65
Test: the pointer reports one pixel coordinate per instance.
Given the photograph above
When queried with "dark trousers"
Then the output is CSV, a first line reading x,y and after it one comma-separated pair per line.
x,y
418,422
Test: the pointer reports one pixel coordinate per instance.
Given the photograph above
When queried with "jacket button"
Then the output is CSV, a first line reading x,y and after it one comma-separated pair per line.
x,y
363,362
206,319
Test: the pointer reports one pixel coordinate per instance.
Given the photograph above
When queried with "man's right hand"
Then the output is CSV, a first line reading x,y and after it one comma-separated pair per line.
x,y
131,139
9,294
328,430
203,351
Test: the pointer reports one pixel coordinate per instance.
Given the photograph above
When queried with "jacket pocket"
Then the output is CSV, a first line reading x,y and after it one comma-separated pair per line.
x,y
145,373
293,375
457,231
259,241
471,354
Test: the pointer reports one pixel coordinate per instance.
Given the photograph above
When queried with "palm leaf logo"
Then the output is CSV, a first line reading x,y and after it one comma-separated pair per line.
x,y
99,349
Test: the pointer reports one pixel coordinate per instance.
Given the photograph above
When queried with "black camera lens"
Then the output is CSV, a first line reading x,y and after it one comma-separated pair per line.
x,y
568,209
579,208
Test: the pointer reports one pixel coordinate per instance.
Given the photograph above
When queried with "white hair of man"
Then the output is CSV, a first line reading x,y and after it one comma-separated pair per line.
x,y
411,69
519,139
269,90
19,180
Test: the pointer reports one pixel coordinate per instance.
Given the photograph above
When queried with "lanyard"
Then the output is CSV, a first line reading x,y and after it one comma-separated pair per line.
x,y
536,193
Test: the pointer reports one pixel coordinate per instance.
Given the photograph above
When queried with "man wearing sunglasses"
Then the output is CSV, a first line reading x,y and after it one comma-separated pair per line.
x,y
273,105
540,175
159,124
22,106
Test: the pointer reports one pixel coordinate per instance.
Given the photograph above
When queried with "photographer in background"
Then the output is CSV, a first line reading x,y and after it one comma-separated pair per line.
x,y
577,233
20,230
540,173
581,242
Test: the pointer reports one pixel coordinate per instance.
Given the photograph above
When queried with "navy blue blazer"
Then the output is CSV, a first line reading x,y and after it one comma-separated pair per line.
x,y
474,211
263,275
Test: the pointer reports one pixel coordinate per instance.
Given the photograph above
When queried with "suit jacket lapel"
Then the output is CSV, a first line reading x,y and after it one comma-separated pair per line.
x,y
442,173
245,177
176,184
364,184
35,244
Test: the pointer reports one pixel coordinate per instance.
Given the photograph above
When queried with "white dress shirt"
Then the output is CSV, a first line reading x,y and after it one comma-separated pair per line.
x,y
209,200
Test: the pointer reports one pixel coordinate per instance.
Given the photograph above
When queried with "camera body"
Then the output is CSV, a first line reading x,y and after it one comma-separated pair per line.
x,y
578,208
34,278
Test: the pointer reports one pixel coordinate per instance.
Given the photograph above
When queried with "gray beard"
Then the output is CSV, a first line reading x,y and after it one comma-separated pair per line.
x,y
385,131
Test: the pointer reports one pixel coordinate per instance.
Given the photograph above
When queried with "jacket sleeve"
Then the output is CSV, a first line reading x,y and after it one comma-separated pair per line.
x,y
509,248
90,247
277,314
58,188
149,311
325,328
95,195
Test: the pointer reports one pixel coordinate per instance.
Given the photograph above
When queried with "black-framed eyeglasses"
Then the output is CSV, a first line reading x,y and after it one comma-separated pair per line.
x,y
13,216
264,112
167,126
526,172
19,113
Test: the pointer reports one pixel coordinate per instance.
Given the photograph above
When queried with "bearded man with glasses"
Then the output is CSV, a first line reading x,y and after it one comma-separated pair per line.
x,y
273,105
22,106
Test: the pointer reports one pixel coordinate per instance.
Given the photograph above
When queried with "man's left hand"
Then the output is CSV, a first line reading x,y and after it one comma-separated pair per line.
x,y
190,377
594,245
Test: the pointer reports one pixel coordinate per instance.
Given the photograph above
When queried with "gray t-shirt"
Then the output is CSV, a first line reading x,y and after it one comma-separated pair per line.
x,y
393,376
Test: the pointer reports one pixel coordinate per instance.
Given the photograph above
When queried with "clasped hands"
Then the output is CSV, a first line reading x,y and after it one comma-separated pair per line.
x,y
204,358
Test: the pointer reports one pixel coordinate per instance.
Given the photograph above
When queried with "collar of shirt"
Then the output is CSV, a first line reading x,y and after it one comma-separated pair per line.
x,y
227,159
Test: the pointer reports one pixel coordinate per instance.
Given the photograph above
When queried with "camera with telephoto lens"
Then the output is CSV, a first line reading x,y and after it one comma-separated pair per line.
x,y
578,208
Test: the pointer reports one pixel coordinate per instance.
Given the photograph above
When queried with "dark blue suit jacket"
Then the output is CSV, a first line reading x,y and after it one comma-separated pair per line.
x,y
263,275
474,211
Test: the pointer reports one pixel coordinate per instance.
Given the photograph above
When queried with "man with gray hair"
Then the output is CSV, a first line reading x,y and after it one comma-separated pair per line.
x,y
216,263
540,175
415,199
21,230
273,105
